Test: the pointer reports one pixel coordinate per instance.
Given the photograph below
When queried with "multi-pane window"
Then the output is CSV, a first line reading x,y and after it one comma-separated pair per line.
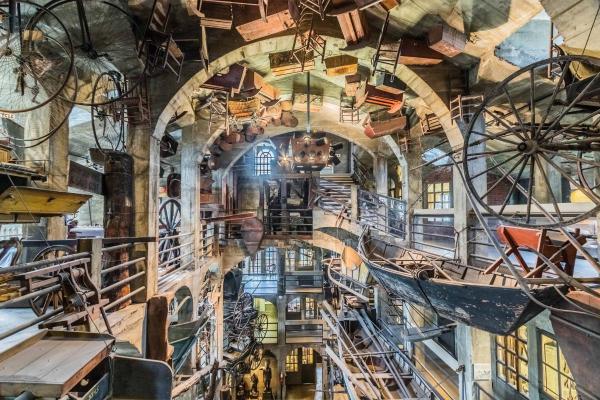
x,y
438,196
262,161
512,360
307,356
305,259
294,305
310,308
291,361
290,260
253,265
271,260
557,382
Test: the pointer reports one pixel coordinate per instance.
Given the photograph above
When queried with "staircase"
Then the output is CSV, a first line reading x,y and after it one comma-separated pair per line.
x,y
335,193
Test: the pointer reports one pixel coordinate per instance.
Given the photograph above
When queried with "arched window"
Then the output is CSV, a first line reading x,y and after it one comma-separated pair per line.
x,y
262,161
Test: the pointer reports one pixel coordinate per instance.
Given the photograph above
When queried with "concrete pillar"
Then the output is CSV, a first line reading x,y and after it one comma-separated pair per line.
x,y
144,148
474,354
541,192
414,189
53,155
461,204
190,193
380,171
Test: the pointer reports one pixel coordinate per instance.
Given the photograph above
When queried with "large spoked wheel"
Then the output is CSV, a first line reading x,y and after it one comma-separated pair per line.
x,y
260,327
538,149
36,60
169,223
95,51
108,120
40,304
256,356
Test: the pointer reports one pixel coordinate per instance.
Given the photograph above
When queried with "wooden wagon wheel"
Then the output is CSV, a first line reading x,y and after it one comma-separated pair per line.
x,y
169,223
36,60
540,134
40,304
261,325
108,120
256,356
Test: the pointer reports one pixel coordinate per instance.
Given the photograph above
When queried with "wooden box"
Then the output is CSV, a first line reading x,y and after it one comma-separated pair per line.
x,y
243,108
217,16
447,40
258,29
417,52
352,84
376,126
316,102
370,94
5,153
389,83
283,63
341,65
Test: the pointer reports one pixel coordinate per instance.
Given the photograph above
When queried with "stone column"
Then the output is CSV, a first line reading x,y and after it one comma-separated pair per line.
x,y
144,148
474,353
52,154
191,147
380,171
413,190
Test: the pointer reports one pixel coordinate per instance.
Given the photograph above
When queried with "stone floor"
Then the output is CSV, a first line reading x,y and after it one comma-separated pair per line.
x,y
300,392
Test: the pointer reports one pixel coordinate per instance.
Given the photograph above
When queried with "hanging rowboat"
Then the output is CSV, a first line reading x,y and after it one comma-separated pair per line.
x,y
491,302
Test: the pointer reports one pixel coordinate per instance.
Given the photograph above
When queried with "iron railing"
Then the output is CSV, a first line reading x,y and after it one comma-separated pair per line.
x,y
383,213
434,234
290,221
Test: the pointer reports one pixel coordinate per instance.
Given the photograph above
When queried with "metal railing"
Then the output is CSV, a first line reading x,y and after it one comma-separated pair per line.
x,y
347,283
175,252
111,268
308,331
383,213
289,221
434,234
462,108
304,281
363,174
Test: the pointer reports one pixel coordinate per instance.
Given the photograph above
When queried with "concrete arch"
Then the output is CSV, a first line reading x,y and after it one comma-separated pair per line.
x,y
283,43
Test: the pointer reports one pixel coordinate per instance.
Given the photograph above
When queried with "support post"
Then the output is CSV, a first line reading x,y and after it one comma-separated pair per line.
x,y
190,191
144,148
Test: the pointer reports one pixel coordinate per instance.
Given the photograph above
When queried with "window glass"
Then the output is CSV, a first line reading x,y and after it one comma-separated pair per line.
x,y
262,161
511,360
557,381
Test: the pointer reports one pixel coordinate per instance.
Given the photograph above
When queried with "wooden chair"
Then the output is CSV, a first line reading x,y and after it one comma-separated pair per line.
x,y
558,250
158,46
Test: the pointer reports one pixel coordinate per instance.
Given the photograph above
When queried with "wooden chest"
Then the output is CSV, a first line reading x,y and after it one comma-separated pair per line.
x,y
258,29
352,23
447,40
389,83
284,64
341,65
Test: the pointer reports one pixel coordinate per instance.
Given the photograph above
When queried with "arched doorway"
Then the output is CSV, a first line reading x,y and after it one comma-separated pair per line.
x,y
303,373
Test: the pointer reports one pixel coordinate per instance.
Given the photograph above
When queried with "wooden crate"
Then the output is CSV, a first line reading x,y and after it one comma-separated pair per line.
x,y
243,108
283,64
259,28
447,40
341,65
370,94
378,125
316,102
389,83
415,52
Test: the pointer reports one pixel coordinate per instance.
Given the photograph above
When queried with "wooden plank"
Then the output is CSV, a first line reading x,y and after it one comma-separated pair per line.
x,y
24,200
217,16
341,65
274,24
85,178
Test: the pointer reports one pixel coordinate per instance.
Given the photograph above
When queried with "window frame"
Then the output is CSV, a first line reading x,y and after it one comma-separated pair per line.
x,y
263,158
519,370
543,393
444,203
291,361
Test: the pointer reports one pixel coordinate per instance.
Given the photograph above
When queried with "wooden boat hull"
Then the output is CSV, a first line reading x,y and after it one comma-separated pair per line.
x,y
495,309
578,337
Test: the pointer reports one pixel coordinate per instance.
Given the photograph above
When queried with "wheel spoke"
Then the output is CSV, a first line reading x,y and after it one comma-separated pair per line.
x,y
532,102
514,184
501,121
549,186
569,178
554,94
